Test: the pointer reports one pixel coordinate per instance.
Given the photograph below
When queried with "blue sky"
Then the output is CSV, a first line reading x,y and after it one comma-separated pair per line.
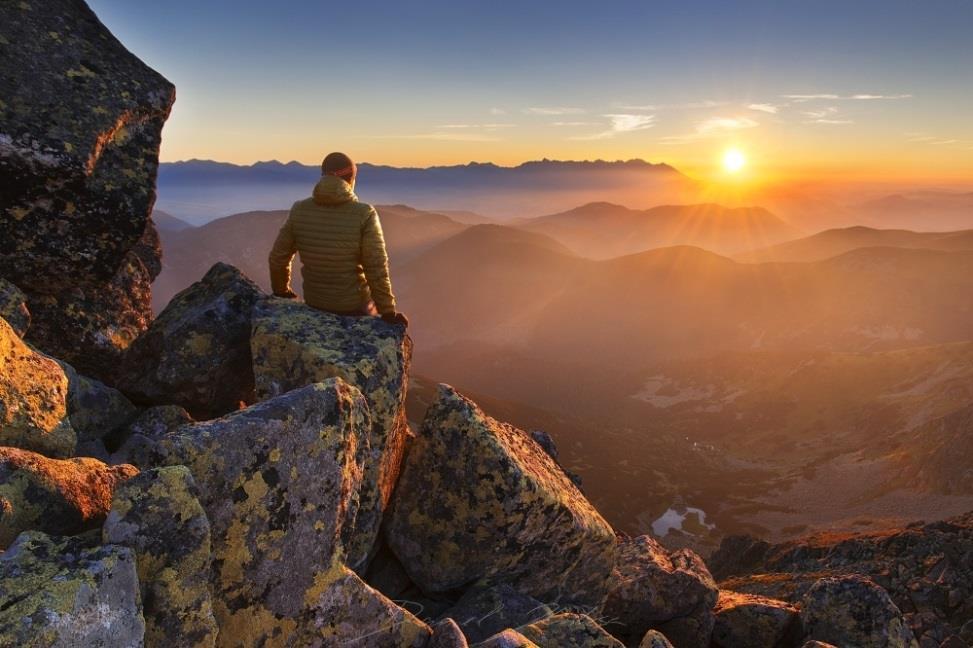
x,y
444,82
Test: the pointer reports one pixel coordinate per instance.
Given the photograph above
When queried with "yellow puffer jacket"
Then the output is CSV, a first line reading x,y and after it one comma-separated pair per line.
x,y
342,249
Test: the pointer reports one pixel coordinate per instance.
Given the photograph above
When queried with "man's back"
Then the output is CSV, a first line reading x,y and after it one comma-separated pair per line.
x,y
342,250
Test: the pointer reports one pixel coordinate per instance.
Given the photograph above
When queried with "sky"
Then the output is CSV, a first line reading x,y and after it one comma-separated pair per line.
x,y
874,89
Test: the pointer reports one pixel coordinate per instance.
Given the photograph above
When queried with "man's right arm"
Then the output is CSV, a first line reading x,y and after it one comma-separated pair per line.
x,y
280,259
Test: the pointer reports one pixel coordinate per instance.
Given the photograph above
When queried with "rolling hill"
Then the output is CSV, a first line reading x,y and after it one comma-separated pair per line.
x,y
604,230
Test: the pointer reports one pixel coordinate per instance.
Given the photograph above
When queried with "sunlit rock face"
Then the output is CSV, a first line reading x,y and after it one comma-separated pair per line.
x,y
295,345
63,496
80,125
503,511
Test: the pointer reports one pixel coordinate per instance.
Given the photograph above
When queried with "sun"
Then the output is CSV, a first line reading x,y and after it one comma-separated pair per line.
x,y
733,160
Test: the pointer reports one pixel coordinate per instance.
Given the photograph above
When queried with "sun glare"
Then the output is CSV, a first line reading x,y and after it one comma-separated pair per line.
x,y
733,160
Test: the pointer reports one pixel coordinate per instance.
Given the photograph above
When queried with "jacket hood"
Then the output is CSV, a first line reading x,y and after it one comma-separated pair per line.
x,y
332,190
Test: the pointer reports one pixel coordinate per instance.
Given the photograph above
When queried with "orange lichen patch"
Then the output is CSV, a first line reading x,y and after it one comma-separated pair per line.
x,y
61,496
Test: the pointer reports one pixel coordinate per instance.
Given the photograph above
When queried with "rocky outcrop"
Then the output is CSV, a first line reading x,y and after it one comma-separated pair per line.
x,y
853,611
279,481
294,345
60,496
654,639
506,639
13,307
751,621
569,629
504,512
33,399
447,634
484,611
653,588
136,444
158,515
78,178
66,592
927,569
95,409
196,354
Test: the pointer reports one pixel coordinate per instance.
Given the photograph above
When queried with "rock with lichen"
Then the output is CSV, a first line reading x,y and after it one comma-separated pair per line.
x,y
854,611
508,638
751,621
295,345
196,353
158,515
95,409
345,611
278,481
654,639
484,611
33,399
569,629
13,307
59,591
78,177
504,512
446,633
59,496
651,586
136,443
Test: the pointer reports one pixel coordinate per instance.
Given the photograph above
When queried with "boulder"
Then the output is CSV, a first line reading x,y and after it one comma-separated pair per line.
x,y
33,399
294,345
852,610
78,173
158,515
196,353
750,621
654,639
506,639
279,481
136,443
504,512
345,611
60,496
651,586
386,574
693,629
13,307
447,634
95,409
484,611
68,592
569,629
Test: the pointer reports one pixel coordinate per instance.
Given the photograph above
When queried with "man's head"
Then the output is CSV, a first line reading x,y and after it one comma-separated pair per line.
x,y
339,164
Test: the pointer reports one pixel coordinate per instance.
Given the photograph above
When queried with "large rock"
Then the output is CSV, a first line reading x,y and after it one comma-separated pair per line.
x,y
197,352
485,611
508,638
13,307
654,639
66,592
95,409
137,443
854,611
750,621
33,399
295,345
61,496
503,512
279,481
569,629
651,586
446,633
78,175
158,515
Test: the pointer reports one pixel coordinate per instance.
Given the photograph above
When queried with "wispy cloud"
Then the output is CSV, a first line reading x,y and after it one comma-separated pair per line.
x,y
765,107
621,123
691,105
718,125
573,123
498,111
458,135
923,138
801,98
820,114
825,120
478,126
553,110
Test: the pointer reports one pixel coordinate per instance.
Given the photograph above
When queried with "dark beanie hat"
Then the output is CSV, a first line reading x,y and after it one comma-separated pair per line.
x,y
339,164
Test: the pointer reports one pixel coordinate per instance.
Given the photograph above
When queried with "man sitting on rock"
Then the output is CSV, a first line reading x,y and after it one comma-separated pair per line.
x,y
345,264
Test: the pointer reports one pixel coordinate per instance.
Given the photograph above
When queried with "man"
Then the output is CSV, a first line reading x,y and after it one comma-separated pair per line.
x,y
344,262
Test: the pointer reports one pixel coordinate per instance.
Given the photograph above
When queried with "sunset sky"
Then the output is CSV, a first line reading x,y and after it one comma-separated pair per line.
x,y
871,88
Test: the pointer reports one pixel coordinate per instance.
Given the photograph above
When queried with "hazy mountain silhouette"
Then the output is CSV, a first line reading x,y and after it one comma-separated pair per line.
x,y
604,230
201,190
920,210
168,222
